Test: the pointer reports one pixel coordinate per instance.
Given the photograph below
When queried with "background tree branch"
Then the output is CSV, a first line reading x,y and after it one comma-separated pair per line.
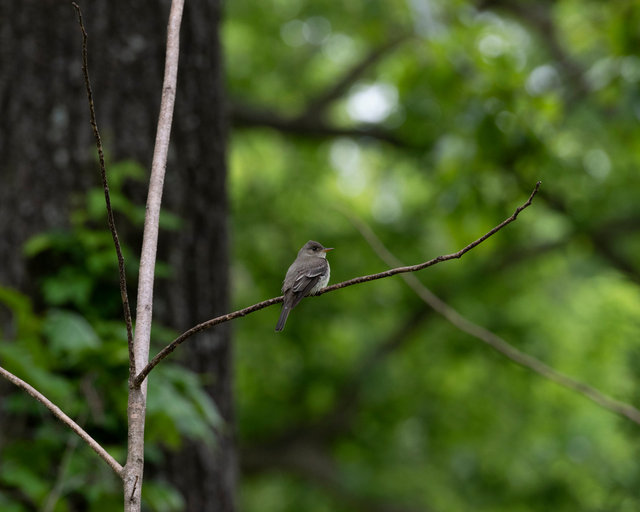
x,y
311,121
537,15
495,341
244,115
316,107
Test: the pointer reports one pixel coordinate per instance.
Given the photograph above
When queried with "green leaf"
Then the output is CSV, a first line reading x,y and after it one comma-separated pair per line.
x,y
70,285
170,221
161,497
69,333
178,398
41,242
17,358
27,322
119,172
10,506
21,477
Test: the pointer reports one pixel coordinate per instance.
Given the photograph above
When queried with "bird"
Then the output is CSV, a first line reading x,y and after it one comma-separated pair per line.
x,y
307,275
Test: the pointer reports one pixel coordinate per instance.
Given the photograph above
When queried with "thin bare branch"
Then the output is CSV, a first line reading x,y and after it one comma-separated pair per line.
x,y
198,328
136,407
495,341
107,197
156,183
58,413
363,279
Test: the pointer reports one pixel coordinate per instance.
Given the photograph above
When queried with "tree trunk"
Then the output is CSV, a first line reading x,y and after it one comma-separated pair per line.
x,y
199,288
47,154
47,151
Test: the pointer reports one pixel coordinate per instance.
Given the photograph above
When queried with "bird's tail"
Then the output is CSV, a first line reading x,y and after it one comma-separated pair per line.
x,y
284,313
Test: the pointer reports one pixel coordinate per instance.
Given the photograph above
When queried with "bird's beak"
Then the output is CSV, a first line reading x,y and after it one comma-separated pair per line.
x,y
327,249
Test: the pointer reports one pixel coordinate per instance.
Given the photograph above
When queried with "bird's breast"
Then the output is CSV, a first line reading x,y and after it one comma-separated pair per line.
x,y
322,281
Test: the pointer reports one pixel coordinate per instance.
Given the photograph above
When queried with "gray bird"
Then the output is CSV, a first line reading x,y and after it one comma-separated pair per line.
x,y
307,275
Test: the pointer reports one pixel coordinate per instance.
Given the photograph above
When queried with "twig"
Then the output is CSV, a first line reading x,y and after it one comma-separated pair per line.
x,y
495,341
107,197
363,279
57,412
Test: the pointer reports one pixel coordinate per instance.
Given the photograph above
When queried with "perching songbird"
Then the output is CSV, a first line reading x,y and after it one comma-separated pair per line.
x,y
307,275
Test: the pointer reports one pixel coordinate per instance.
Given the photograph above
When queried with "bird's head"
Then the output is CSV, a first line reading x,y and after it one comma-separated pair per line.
x,y
316,249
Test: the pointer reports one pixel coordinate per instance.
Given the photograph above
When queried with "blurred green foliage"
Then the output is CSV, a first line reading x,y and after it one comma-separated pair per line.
x,y
70,343
368,400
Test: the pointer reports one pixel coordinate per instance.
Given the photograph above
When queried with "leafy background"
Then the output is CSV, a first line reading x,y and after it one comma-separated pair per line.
x,y
430,121
371,401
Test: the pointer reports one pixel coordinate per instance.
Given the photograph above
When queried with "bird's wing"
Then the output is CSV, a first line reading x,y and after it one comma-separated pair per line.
x,y
305,281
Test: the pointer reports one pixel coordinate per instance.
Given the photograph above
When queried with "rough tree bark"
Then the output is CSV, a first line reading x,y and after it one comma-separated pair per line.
x,y
206,477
